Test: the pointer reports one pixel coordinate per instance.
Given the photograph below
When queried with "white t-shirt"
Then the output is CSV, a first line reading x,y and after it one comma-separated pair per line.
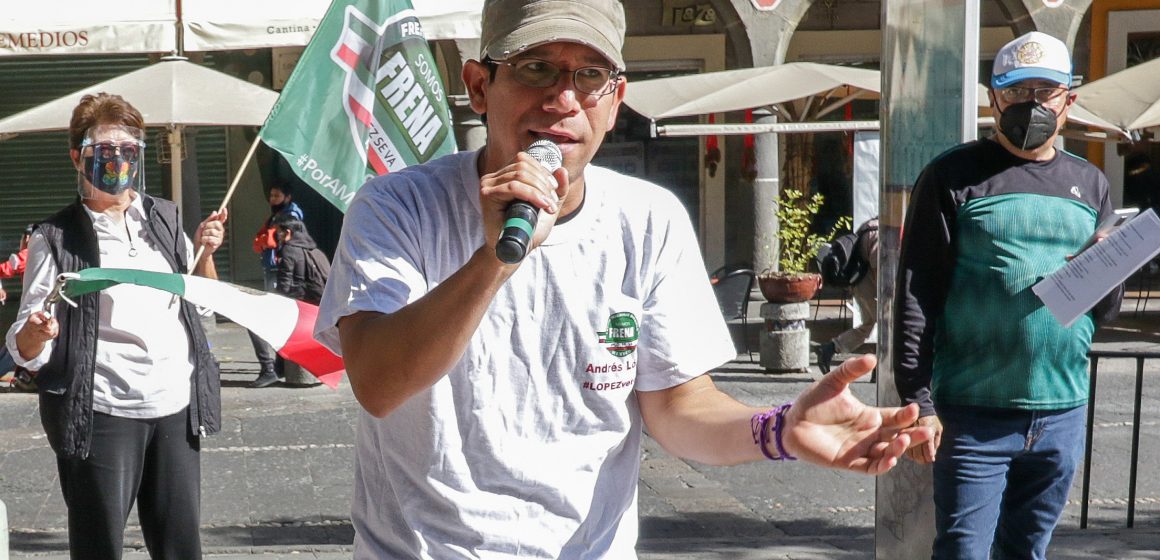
x,y
530,446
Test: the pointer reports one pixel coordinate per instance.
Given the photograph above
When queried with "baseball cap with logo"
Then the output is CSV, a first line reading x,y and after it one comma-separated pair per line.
x,y
513,26
1031,56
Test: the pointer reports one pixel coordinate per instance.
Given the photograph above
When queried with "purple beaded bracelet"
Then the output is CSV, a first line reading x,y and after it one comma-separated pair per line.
x,y
760,426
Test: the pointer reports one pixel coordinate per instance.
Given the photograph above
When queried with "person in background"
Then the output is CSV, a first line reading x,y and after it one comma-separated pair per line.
x,y
1004,385
281,200
1141,182
497,396
127,384
302,267
865,294
13,267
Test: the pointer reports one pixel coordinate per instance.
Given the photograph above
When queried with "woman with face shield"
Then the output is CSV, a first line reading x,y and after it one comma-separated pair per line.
x,y
126,380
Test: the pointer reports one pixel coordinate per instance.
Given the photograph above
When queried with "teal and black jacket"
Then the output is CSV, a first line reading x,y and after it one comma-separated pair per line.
x,y
982,228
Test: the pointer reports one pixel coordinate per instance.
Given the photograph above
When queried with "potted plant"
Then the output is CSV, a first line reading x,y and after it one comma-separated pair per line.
x,y
785,343
797,247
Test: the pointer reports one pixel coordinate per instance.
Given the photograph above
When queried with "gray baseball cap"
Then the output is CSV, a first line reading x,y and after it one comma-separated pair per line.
x,y
513,26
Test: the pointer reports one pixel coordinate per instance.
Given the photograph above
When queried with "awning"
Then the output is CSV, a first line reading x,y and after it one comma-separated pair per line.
x,y
62,27
214,25
72,27
1129,98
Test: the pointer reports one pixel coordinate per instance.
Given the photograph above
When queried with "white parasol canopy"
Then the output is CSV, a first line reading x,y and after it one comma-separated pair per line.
x,y
732,90
800,92
167,93
173,93
1129,98
62,27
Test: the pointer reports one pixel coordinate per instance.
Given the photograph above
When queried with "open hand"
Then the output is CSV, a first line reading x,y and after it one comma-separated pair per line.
x,y
829,426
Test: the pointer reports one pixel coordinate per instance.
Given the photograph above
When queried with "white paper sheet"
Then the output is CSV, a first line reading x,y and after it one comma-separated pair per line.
x,y
1078,286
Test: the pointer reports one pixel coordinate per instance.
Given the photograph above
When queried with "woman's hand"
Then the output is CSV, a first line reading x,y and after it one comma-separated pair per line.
x,y
211,233
40,328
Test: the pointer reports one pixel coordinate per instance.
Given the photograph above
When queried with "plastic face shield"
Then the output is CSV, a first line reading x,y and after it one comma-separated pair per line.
x,y
112,159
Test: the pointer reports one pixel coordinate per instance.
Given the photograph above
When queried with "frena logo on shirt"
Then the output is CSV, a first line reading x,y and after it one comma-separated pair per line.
x,y
622,334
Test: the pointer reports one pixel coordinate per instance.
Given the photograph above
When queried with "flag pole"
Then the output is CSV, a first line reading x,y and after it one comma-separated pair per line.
x,y
230,191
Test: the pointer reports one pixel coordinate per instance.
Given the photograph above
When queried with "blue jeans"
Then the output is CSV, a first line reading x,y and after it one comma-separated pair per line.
x,y
1001,479
7,363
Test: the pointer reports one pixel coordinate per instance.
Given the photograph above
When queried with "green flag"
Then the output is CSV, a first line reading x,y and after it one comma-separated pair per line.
x,y
365,99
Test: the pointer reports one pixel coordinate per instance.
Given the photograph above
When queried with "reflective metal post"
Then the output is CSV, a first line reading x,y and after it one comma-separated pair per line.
x,y
929,68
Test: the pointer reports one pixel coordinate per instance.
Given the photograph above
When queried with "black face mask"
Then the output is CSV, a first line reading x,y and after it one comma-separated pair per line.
x,y
275,208
1027,125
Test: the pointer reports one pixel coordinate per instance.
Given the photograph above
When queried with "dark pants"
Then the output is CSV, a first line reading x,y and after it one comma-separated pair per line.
x,y
267,356
154,461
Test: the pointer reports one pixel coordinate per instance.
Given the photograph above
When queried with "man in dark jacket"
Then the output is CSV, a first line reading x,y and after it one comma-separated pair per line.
x,y
1002,382
302,266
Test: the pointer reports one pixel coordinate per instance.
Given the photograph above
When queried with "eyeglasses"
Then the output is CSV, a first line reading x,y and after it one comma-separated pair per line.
x,y
592,80
127,150
1053,96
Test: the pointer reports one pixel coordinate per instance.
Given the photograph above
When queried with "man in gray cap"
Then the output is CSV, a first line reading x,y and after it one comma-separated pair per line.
x,y
505,401
1002,382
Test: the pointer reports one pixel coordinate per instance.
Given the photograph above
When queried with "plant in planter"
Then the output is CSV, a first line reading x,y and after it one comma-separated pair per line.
x,y
785,343
797,247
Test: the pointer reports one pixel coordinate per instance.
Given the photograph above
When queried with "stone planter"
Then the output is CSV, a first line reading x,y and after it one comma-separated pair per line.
x,y
295,376
789,288
785,340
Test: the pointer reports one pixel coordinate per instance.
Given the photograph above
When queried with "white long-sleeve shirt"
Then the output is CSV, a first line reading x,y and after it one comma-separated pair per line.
x,y
143,365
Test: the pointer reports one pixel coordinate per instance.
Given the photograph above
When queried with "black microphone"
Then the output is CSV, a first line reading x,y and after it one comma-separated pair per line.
x,y
520,216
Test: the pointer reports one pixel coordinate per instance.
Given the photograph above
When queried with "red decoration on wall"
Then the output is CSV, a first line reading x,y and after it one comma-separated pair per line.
x,y
712,151
765,5
748,156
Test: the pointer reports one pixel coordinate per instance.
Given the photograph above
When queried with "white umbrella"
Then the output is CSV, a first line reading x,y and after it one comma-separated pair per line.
x,y
784,87
1129,98
731,90
173,93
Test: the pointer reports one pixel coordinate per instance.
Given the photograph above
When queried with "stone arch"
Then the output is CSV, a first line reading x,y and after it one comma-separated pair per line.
x,y
732,25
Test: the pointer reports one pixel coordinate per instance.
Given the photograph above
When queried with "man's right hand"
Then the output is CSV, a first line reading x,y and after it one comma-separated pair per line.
x,y
522,179
925,452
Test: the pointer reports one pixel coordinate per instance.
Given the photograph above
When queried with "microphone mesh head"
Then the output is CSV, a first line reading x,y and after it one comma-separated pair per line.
x,y
547,153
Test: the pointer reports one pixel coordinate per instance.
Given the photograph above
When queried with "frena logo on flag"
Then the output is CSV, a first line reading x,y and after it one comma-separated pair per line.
x,y
364,100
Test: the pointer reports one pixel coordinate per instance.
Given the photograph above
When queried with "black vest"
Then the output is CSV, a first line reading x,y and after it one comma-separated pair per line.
x,y
65,383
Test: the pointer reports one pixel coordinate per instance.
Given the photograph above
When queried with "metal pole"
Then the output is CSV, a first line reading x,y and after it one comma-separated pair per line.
x,y
1087,446
923,110
1135,442
175,149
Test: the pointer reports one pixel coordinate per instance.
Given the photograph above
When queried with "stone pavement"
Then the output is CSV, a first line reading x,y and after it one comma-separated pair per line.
x,y
277,480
